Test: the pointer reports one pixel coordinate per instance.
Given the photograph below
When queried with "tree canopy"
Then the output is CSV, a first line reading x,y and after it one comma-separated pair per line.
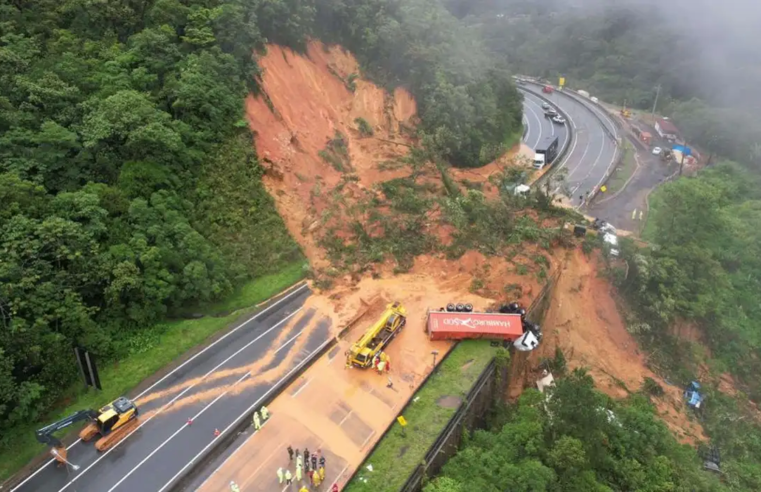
x,y
575,440
130,188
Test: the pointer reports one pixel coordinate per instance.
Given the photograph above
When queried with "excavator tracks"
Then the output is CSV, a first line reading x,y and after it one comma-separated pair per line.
x,y
106,443
89,431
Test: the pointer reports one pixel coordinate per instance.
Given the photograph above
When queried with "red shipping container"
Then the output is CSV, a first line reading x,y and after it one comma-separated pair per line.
x,y
443,325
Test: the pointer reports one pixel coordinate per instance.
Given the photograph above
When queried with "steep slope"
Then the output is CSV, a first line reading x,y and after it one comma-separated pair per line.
x,y
307,101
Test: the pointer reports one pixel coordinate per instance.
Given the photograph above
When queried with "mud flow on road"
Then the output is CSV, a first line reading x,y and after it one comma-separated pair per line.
x,y
338,411
212,389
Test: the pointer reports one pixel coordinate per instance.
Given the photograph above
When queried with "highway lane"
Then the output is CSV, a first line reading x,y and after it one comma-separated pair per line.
x,y
214,388
537,125
591,151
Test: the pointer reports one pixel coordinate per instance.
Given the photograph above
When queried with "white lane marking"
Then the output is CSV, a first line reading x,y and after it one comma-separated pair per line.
x,y
586,149
616,149
338,477
539,136
287,296
368,438
604,140
344,419
539,107
248,374
575,141
528,128
301,389
235,422
178,397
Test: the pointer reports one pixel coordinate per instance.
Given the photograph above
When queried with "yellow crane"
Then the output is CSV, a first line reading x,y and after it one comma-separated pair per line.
x,y
377,337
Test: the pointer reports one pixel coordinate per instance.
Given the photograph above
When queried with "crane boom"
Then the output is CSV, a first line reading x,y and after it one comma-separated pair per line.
x,y
377,336
46,434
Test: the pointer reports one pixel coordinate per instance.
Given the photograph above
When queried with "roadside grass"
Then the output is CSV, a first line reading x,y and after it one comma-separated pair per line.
x,y
625,171
396,456
654,202
255,291
168,341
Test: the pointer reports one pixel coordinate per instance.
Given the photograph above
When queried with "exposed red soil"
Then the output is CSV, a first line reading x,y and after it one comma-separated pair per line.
x,y
584,321
343,412
520,155
311,102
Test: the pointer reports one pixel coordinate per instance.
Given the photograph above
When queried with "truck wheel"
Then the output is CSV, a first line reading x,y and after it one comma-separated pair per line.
x,y
469,308
460,308
450,307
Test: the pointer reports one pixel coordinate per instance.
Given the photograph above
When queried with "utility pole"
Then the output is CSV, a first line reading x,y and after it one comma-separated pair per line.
x,y
655,103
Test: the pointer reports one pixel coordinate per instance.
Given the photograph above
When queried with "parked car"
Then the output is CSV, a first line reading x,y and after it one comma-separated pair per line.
x,y
559,120
657,151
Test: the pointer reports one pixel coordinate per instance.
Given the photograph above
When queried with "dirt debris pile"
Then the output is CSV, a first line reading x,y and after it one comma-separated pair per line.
x,y
584,321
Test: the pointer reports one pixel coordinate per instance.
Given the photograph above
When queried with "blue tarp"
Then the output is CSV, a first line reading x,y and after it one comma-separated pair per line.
x,y
684,150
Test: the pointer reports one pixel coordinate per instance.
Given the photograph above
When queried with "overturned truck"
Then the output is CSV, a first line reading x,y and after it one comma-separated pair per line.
x,y
460,322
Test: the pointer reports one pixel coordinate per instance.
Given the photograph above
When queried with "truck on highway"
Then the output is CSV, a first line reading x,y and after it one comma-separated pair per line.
x,y
546,151
372,342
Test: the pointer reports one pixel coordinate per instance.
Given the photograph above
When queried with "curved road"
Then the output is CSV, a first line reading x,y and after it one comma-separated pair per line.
x,y
537,125
592,150
214,387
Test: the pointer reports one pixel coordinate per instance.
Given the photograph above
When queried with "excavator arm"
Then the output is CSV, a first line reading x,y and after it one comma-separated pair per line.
x,y
46,435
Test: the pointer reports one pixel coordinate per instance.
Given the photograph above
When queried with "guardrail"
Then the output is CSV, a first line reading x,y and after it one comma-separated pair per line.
x,y
219,445
444,447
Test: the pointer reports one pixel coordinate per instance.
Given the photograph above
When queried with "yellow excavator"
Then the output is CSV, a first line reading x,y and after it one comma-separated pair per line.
x,y
377,337
113,423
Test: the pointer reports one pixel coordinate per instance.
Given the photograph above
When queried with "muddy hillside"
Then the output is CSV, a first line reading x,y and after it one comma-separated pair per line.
x,y
307,130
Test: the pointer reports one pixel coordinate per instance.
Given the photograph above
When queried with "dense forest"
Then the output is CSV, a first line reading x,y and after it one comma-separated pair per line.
x,y
577,440
701,56
706,271
129,185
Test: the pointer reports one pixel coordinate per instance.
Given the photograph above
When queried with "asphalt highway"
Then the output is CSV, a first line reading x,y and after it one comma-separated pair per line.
x,y
537,125
213,388
592,151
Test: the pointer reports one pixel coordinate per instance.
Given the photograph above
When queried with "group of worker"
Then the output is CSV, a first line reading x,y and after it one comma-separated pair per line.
x,y
306,467
382,362
257,421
